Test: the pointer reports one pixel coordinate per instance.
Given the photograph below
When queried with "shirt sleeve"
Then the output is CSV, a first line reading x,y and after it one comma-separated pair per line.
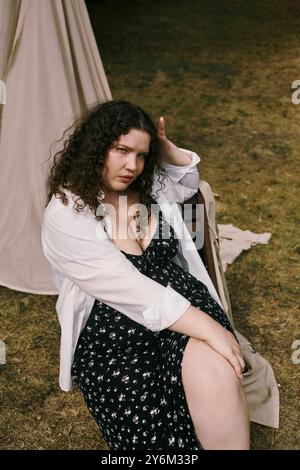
x,y
181,182
85,255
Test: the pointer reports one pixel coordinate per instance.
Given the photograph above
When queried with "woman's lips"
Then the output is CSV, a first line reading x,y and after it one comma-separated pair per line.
x,y
127,178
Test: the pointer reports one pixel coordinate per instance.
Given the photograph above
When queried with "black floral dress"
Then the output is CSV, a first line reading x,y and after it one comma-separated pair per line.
x,y
130,376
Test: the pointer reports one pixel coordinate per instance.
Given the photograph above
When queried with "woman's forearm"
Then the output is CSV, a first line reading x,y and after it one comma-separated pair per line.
x,y
194,322
174,155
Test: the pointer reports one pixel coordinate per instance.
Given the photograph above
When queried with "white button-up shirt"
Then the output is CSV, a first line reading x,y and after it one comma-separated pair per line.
x,y
86,265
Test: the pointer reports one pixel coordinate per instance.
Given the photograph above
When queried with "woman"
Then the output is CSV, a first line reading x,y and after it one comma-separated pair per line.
x,y
143,332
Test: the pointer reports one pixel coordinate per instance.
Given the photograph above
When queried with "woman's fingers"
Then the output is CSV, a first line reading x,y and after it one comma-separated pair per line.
x,y
237,351
161,128
233,360
241,361
235,341
236,348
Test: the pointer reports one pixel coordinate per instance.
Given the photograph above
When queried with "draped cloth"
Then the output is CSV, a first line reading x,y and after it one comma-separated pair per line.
x,y
50,73
233,241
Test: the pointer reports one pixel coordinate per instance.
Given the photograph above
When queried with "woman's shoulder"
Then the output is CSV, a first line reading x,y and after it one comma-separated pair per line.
x,y
62,213
66,200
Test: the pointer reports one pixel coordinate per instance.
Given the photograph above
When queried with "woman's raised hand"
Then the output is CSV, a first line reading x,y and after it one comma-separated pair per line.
x,y
169,152
166,146
162,130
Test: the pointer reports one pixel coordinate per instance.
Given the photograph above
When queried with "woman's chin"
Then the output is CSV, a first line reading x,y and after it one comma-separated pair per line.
x,y
121,186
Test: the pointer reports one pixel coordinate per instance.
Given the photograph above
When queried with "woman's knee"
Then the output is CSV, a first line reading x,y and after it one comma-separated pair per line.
x,y
204,365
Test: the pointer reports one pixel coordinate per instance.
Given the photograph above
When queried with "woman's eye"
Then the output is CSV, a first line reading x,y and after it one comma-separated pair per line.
x,y
122,150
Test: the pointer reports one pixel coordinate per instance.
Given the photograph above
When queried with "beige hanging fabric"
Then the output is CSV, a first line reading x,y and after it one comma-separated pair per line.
x,y
50,73
8,23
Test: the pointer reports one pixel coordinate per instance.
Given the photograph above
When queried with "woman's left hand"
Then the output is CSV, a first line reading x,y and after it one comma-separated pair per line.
x,y
166,146
169,152
162,129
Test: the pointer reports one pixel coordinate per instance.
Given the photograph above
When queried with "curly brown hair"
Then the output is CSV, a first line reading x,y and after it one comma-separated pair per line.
x,y
78,166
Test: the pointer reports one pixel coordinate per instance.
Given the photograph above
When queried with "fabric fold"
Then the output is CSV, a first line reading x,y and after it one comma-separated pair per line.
x,y
2,92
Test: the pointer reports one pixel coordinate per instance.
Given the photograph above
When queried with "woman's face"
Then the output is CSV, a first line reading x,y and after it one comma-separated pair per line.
x,y
126,157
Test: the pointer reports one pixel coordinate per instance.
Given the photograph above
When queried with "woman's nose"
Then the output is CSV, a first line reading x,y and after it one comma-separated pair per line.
x,y
131,162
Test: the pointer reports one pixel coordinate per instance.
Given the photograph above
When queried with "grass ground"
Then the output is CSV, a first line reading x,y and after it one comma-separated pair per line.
x,y
221,74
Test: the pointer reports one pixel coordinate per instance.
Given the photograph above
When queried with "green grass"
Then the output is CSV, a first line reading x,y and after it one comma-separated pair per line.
x,y
221,74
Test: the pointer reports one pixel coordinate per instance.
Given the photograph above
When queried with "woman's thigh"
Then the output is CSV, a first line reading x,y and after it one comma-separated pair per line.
x,y
205,373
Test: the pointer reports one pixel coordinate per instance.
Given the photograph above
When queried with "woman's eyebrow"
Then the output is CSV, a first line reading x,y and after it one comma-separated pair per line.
x,y
130,148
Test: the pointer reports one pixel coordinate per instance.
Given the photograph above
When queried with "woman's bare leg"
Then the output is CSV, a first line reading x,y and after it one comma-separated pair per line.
x,y
215,398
